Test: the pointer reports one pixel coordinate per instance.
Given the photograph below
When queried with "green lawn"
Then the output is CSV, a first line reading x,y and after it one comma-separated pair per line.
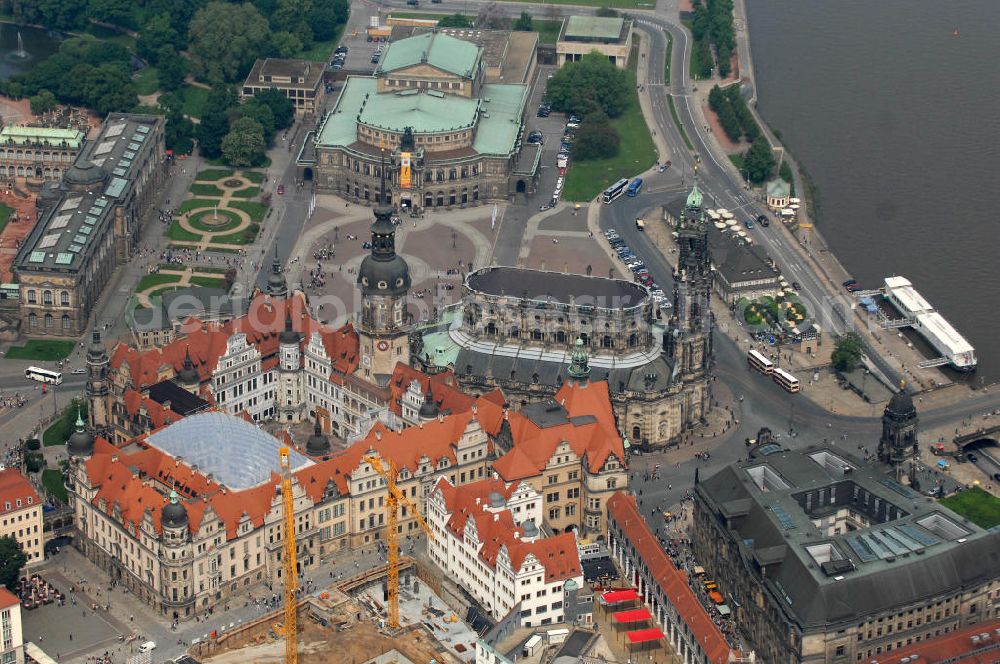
x,y
253,208
197,221
694,66
666,62
46,350
322,51
249,192
147,81
254,176
636,153
548,30
208,282
202,189
177,232
111,35
60,430
976,505
194,204
155,279
428,16
616,4
194,100
52,480
5,212
214,174
245,236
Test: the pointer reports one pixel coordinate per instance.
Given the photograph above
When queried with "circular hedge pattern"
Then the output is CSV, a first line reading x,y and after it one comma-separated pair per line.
x,y
205,220
234,183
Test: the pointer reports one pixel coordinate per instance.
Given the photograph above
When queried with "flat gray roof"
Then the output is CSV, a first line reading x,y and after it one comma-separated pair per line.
x,y
593,28
557,286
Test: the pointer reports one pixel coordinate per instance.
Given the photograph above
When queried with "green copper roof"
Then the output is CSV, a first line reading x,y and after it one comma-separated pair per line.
x,y
52,136
694,198
499,114
435,49
778,188
426,111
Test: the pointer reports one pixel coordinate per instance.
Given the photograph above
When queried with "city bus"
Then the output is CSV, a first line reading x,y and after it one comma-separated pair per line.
x,y
633,188
43,375
614,191
757,361
787,381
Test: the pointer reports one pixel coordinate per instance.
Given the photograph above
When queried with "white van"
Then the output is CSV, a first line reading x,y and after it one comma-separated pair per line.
x,y
148,646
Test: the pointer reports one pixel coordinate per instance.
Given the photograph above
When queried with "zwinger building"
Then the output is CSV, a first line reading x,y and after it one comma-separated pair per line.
x,y
446,131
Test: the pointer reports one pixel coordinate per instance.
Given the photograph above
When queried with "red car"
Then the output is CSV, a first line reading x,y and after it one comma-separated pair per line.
x,y
281,188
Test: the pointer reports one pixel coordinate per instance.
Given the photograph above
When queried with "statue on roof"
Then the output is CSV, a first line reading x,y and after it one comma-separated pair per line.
x,y
407,143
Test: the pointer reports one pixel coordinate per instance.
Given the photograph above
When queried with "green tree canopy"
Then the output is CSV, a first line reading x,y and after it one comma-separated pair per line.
x,y
523,23
214,123
261,112
42,102
326,18
292,16
110,88
846,354
596,138
606,12
156,35
285,44
225,39
172,69
455,21
281,107
12,560
244,145
759,161
590,84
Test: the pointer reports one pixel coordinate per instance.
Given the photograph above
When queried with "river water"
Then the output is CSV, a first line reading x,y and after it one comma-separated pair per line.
x,y
891,107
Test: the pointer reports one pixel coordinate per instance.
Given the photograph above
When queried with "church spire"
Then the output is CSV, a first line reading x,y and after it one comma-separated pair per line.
x,y
579,368
276,284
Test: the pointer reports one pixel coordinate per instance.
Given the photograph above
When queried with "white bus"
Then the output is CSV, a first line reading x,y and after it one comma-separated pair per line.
x,y
43,375
787,381
757,361
615,190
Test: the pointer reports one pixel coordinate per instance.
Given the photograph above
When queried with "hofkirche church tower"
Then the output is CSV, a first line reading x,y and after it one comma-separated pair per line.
x,y
384,279
689,343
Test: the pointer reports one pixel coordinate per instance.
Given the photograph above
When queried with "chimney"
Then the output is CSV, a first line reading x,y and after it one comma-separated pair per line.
x,y
378,435
517,535
477,500
114,458
496,516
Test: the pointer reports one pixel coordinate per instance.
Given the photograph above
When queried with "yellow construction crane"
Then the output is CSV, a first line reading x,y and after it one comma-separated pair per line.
x,y
288,559
393,501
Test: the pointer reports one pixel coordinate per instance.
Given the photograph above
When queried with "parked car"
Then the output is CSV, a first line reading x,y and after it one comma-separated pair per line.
x,y
572,125
281,189
850,282
796,285
575,118
748,223
341,49
77,372
665,165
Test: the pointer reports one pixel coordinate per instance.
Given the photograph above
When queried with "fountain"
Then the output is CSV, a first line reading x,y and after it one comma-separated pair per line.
x,y
20,53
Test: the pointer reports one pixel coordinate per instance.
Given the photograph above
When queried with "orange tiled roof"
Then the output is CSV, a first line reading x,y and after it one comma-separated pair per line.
x,y
157,414
497,531
955,648
597,440
7,598
622,508
13,487
206,343
447,393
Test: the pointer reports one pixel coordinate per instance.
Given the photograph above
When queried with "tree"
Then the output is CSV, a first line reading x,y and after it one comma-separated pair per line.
x,y
244,144
42,102
326,17
285,44
759,161
214,123
590,84
172,69
261,112
455,21
110,88
281,107
846,354
606,12
596,138
704,51
523,23
225,39
118,12
157,34
12,560
179,130
291,16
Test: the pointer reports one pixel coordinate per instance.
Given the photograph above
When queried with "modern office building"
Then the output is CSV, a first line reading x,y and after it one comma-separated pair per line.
x,y
580,35
299,80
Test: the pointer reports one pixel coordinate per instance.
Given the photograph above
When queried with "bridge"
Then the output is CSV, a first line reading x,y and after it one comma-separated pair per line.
x,y
990,433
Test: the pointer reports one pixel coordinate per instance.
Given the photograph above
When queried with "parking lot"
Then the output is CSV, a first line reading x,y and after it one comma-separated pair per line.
x,y
637,267
552,130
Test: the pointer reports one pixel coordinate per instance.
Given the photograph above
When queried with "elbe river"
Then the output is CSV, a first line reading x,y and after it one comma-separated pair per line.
x,y
893,108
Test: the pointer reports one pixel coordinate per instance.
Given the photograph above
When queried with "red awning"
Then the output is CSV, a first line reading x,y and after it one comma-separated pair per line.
x,y
616,596
644,635
632,615
717,597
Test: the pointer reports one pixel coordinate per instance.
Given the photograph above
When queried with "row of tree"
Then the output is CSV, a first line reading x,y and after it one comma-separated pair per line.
x,y
713,26
241,133
733,113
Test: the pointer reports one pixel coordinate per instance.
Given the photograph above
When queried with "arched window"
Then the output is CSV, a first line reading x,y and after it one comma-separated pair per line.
x,y
536,334
606,341
636,433
48,321
64,298
65,323
47,297
560,337
452,174
32,297
632,340
491,329
32,321
440,176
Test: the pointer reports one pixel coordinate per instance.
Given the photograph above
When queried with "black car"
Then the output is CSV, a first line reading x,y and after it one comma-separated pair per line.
x,y
796,286
341,49
972,457
849,283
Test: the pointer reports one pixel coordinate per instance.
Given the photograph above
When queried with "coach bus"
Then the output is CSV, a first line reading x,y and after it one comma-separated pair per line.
x,y
615,190
757,361
633,188
43,375
787,381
